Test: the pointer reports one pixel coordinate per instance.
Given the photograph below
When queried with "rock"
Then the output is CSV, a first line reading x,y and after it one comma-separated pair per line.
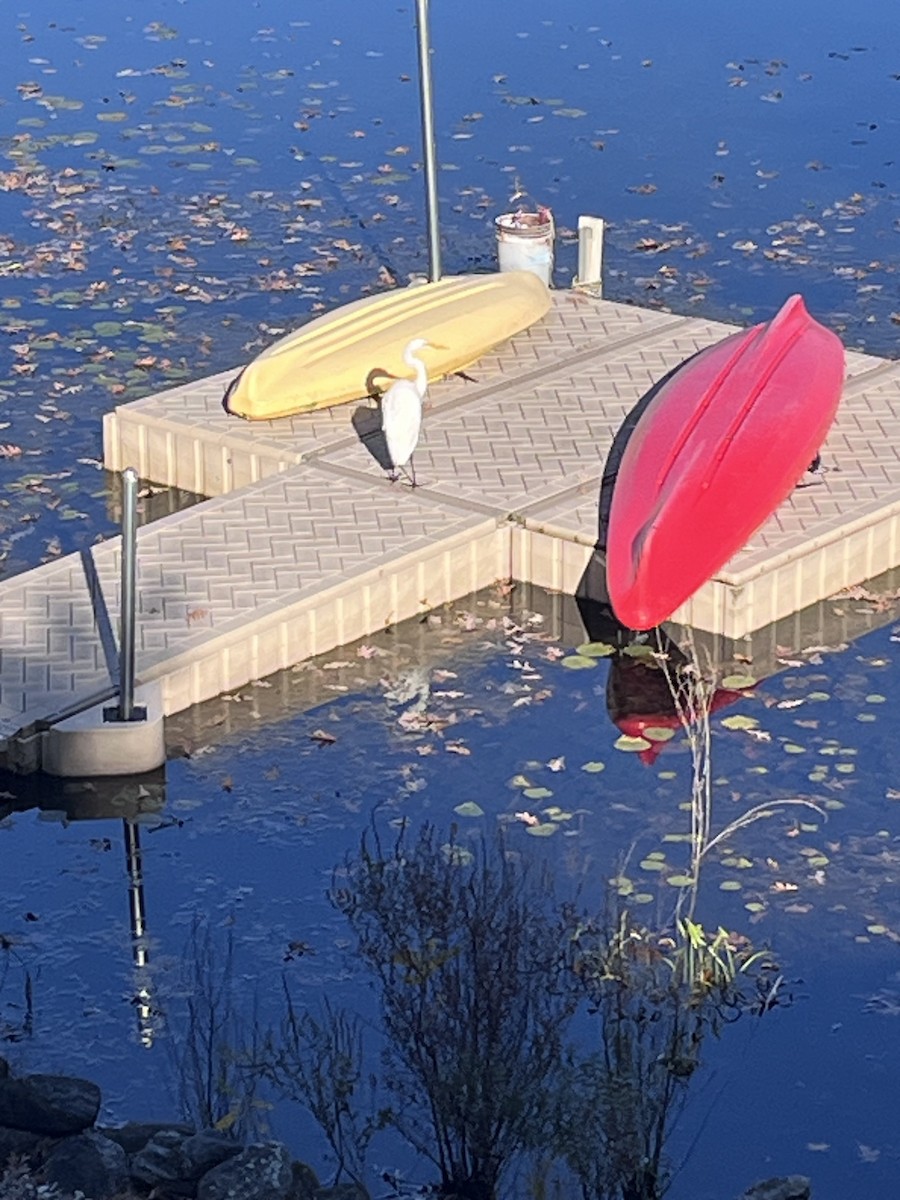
x,y
305,1182
18,1142
54,1105
207,1149
136,1134
260,1172
88,1163
786,1187
161,1160
342,1191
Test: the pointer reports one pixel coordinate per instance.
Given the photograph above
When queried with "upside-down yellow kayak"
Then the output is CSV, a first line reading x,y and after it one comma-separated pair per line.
x,y
357,350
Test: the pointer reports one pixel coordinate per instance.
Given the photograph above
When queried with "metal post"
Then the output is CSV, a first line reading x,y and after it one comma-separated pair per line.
x,y
126,617
428,141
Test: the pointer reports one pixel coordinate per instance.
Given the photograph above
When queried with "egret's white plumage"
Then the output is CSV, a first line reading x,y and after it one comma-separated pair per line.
x,y
401,410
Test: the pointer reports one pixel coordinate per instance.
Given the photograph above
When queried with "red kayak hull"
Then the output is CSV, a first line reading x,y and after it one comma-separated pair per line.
x,y
718,448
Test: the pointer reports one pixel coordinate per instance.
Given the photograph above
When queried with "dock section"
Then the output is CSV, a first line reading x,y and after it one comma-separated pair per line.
x,y
304,544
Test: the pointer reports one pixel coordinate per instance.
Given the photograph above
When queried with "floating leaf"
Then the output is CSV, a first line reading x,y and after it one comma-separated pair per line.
x,y
680,880
593,768
642,898
738,721
668,775
578,662
595,649
659,733
555,813
737,683
537,793
818,696
818,860
569,112
875,698
730,885
541,830
652,864
631,744
469,809
845,768
792,748
876,928
677,837
519,781
755,906
639,650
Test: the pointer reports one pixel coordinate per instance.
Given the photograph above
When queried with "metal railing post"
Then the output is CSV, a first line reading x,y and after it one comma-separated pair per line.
x,y
428,141
128,591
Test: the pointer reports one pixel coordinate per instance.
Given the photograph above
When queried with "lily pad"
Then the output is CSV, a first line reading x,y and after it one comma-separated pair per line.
x,y
737,683
578,662
631,744
680,880
469,809
739,721
543,830
593,768
659,733
595,649
538,793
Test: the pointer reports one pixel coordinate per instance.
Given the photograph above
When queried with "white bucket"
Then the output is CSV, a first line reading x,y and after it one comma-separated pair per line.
x,y
525,242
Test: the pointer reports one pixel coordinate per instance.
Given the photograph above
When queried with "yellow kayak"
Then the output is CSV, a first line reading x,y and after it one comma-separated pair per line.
x,y
357,350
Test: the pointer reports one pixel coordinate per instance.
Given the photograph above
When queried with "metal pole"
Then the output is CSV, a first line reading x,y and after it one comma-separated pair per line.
x,y
428,141
126,616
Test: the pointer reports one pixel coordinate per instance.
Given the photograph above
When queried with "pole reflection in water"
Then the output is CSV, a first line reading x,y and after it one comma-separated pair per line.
x,y
139,947
126,798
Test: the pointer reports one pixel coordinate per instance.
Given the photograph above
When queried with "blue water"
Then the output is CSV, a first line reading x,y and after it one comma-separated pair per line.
x,y
261,814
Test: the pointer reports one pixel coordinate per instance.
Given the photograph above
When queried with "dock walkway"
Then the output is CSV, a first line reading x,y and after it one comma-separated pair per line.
x,y
303,544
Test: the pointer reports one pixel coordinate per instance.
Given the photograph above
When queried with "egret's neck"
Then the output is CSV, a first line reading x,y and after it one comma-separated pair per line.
x,y
412,360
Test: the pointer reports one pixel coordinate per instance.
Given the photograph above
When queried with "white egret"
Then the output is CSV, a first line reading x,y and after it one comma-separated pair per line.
x,y
401,411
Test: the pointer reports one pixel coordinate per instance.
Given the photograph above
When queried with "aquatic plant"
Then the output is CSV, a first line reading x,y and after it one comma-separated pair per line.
x,y
16,1016
472,961
693,689
216,1046
318,1062
656,996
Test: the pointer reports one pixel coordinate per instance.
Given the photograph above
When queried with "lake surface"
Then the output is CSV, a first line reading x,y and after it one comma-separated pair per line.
x,y
173,195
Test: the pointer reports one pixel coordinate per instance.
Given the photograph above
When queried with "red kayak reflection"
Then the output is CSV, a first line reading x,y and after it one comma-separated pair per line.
x,y
639,698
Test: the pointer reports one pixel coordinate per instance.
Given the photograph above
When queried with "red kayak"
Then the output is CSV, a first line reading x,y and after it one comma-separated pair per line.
x,y
718,448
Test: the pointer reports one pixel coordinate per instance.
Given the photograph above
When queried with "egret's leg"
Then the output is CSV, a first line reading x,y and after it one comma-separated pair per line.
x,y
412,472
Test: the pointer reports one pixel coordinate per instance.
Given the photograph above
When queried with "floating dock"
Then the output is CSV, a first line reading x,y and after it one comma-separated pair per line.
x,y
303,544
